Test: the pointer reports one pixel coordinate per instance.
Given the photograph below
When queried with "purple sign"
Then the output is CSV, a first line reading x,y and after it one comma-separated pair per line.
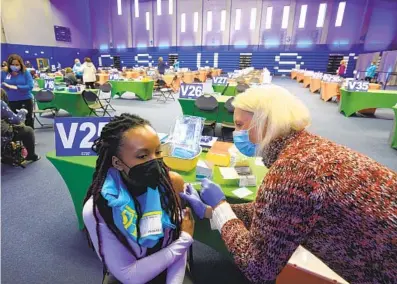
x,y
49,83
74,136
191,91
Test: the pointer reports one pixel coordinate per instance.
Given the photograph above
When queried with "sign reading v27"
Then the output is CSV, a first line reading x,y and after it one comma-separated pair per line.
x,y
191,91
74,136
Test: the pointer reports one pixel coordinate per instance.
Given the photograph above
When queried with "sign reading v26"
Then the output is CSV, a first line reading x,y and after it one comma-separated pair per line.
x,y
191,91
74,136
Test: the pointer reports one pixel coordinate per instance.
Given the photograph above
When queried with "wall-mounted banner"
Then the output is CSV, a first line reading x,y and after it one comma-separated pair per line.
x,y
74,136
191,91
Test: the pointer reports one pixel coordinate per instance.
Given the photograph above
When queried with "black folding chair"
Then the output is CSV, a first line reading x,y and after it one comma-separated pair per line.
x,y
94,103
105,94
227,121
166,92
207,107
241,88
44,96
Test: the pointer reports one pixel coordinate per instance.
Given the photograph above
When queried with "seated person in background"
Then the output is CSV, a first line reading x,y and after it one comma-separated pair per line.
x,y
130,183
34,74
370,72
21,132
70,78
28,64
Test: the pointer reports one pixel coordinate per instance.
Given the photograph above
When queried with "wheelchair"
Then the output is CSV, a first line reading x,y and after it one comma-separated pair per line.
x,y
13,153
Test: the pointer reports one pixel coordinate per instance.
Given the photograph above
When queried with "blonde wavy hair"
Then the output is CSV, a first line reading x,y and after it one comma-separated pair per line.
x,y
276,112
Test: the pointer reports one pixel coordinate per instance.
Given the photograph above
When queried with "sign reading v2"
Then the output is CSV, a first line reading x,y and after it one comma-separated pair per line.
x,y
74,136
357,86
191,91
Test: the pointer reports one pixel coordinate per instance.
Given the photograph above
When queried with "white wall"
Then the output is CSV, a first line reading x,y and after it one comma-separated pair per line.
x,y
31,22
28,22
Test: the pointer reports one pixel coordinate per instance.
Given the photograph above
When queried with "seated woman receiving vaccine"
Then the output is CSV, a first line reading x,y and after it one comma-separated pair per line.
x,y
132,211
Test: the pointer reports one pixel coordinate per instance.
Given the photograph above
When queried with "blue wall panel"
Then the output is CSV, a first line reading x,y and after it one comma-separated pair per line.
x,y
276,59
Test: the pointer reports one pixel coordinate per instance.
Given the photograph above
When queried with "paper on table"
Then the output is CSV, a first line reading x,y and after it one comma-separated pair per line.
x,y
242,192
228,173
259,162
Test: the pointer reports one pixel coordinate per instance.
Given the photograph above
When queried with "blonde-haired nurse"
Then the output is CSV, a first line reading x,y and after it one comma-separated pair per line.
x,y
333,201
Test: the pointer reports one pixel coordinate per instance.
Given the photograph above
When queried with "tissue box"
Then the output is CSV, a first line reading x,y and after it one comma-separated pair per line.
x,y
247,181
203,170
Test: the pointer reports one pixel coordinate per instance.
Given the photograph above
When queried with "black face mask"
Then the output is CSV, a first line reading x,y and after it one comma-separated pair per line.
x,y
145,175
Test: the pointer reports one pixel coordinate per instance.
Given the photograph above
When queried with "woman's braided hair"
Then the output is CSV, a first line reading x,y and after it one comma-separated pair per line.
x,y
107,146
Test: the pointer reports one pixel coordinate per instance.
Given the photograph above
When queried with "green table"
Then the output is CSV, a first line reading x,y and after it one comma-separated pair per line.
x,y
231,90
77,173
40,83
351,102
143,90
73,103
58,79
393,134
188,108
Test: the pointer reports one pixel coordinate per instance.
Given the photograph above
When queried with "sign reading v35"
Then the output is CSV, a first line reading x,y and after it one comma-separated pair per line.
x,y
357,86
74,136
191,91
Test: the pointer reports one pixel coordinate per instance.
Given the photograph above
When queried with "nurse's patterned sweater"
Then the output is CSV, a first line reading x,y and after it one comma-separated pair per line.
x,y
337,203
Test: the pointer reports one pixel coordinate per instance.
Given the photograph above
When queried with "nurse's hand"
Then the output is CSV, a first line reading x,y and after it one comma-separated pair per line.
x,y
211,193
192,197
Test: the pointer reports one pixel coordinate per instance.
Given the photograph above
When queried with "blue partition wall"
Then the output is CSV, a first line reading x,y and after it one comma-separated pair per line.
x,y
65,56
278,60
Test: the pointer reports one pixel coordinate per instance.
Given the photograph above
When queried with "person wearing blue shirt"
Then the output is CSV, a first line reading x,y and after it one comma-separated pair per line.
x,y
370,72
161,66
78,69
18,83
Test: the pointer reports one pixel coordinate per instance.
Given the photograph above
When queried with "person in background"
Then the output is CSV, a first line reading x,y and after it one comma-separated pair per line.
x,y
130,182
337,203
89,73
34,74
28,64
4,66
77,69
21,132
69,77
161,66
342,69
18,83
370,72
176,65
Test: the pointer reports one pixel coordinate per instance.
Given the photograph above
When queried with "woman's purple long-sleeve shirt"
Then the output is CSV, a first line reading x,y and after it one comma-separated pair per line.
x,y
124,266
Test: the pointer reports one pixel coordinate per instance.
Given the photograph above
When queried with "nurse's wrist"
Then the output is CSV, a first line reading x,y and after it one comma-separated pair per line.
x,y
221,202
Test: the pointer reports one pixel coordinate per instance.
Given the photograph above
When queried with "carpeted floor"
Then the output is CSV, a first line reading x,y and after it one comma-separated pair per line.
x,y
40,241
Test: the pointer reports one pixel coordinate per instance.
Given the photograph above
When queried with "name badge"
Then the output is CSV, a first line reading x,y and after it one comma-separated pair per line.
x,y
151,225
8,77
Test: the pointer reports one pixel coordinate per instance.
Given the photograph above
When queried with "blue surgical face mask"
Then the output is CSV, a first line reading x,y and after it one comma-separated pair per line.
x,y
244,145
15,68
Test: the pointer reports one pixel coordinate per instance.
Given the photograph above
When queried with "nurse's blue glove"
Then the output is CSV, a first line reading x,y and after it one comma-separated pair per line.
x,y
192,197
211,193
